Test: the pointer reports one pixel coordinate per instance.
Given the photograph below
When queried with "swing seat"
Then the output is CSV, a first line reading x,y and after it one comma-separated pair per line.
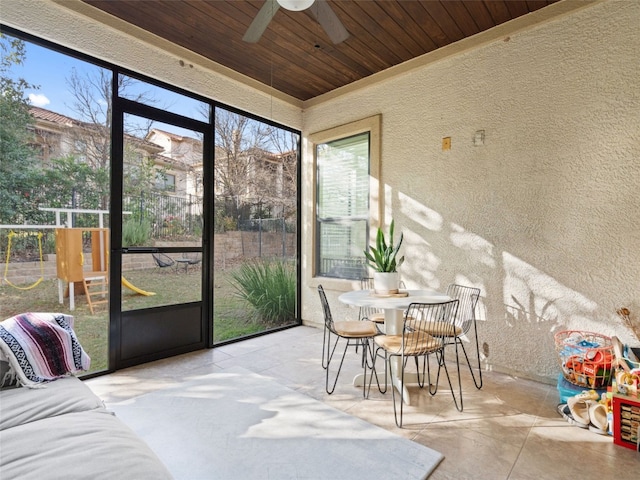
x,y
6,268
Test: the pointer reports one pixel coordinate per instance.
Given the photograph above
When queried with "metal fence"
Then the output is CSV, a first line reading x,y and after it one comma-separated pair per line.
x,y
163,217
270,237
351,268
167,216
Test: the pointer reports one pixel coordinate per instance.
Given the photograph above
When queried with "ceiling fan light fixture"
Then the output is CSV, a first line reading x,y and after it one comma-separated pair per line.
x,y
295,5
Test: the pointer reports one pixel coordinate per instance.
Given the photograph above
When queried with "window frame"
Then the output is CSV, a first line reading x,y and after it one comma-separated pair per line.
x,y
371,125
162,182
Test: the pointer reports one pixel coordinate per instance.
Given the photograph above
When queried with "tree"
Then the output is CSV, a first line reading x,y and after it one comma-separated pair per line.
x,y
236,136
92,105
285,146
75,182
19,164
255,166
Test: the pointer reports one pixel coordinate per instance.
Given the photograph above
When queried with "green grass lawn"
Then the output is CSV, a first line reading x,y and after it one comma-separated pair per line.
x,y
233,317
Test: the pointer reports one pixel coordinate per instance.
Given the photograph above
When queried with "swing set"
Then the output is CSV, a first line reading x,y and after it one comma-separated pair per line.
x,y
70,258
6,268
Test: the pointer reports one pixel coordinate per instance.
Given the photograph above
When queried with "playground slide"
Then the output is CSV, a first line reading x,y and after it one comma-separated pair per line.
x,y
125,283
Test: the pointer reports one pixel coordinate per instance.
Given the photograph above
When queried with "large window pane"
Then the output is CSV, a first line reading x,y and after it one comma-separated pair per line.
x,y
342,206
55,166
162,98
255,188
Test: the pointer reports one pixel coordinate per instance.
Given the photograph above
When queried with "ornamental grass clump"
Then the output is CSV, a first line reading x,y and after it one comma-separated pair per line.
x,y
136,233
383,257
269,286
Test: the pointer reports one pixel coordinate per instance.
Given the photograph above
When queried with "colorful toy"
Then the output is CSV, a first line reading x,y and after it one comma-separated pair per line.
x,y
586,358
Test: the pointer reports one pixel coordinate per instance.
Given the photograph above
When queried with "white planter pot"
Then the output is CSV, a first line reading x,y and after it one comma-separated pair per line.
x,y
386,283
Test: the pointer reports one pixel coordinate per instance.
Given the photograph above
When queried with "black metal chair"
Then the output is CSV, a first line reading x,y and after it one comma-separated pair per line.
x,y
464,319
163,261
370,313
190,259
354,333
420,318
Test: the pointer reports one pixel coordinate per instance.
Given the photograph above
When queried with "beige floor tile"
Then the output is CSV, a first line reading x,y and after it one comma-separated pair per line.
x,y
510,429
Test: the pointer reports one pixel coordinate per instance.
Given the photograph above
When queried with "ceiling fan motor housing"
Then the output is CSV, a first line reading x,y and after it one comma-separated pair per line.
x,y
295,5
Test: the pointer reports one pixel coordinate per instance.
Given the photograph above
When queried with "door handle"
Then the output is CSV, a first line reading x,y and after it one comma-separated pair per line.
x,y
139,250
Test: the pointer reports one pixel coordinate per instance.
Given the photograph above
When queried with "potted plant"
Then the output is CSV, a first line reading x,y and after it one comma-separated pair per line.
x,y
383,258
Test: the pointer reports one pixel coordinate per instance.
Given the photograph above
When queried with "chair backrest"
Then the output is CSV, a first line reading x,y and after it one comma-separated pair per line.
x,y
163,260
468,298
328,319
192,257
426,325
366,283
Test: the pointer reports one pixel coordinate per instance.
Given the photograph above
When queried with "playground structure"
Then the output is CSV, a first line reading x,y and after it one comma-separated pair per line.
x,y
139,291
71,267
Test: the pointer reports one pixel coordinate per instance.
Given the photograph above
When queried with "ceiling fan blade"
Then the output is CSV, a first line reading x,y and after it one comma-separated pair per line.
x,y
261,21
328,19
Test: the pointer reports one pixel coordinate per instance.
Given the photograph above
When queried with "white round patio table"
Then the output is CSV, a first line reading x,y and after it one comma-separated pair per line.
x,y
393,307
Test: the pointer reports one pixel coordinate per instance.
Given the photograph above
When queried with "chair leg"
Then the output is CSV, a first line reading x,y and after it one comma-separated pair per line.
x,y
368,346
325,347
367,361
330,353
424,368
477,383
441,364
473,375
401,393
374,357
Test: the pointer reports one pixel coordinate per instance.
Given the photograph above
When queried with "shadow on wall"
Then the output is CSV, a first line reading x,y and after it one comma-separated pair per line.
x,y
533,305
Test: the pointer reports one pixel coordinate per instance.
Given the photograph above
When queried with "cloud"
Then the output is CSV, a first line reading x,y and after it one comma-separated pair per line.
x,y
38,100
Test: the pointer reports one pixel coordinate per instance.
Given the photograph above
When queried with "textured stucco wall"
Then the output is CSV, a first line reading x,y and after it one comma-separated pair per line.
x,y
545,216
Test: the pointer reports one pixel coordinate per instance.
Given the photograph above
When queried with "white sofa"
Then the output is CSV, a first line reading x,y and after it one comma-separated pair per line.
x,y
59,428
64,431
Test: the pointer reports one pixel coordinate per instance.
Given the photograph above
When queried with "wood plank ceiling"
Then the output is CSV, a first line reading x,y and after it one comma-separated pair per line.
x,y
295,55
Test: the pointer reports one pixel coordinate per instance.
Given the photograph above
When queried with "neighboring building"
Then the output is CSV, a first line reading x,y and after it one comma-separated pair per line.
x,y
57,136
53,134
255,177
262,180
184,151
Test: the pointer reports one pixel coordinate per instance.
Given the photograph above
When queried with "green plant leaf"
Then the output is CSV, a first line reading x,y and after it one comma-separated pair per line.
x,y
383,256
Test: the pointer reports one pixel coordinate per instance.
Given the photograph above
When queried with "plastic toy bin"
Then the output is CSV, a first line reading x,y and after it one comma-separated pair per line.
x,y
586,358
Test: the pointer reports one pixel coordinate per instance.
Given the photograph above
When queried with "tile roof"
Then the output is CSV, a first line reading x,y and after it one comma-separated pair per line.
x,y
49,116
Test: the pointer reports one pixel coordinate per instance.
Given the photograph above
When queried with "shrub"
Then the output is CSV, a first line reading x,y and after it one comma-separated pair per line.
x,y
136,233
269,286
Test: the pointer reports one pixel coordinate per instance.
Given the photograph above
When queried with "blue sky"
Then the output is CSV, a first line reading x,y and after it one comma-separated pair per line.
x,y
49,70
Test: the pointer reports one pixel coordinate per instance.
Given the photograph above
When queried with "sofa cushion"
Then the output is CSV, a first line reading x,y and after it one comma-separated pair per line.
x,y
81,445
66,395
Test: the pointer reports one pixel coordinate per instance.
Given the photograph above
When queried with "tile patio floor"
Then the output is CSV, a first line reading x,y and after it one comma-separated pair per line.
x,y
509,430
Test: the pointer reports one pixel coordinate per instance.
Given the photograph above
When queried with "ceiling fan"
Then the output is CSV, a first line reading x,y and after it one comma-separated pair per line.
x,y
320,10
